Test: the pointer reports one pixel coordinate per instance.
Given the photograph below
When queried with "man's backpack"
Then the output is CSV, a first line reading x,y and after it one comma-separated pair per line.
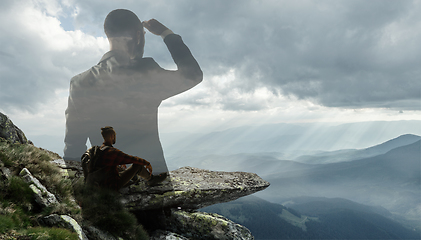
x,y
90,160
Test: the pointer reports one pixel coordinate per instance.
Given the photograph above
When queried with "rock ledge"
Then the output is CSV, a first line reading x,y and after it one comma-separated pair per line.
x,y
193,188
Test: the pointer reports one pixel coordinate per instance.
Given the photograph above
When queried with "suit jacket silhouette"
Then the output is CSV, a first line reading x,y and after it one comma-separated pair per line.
x,y
125,93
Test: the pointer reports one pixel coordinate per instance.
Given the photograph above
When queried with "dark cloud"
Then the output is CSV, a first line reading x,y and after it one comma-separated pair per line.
x,y
338,53
38,57
350,54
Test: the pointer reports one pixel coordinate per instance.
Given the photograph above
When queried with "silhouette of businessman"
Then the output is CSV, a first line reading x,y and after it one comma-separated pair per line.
x,y
124,90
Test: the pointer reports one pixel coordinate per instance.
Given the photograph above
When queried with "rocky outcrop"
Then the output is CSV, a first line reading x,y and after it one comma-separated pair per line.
x,y
175,200
42,196
192,188
11,132
63,221
188,189
166,235
200,225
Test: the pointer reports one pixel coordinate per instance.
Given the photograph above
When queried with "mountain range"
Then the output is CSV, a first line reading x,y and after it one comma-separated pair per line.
x,y
391,180
313,218
387,175
287,140
354,154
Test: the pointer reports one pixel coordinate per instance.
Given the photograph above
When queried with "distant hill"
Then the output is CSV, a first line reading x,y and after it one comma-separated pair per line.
x,y
391,180
400,141
346,220
262,218
349,155
314,206
390,177
261,163
267,163
286,138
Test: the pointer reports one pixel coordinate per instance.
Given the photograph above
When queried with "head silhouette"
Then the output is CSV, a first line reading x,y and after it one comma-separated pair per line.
x,y
125,32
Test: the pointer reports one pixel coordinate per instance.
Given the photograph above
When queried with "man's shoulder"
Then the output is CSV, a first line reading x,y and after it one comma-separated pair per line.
x,y
80,76
92,72
110,65
145,64
87,77
108,149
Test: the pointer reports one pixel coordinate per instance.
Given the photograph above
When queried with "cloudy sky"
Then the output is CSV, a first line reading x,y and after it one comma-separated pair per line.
x,y
264,61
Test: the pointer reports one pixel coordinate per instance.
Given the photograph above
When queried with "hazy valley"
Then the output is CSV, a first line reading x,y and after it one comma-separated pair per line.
x,y
385,177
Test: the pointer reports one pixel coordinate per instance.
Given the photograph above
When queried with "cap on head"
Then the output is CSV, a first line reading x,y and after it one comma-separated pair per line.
x,y
121,22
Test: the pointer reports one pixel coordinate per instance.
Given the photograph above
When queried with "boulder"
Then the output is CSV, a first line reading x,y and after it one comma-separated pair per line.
x,y
96,234
192,188
207,226
64,221
42,196
5,172
10,132
166,235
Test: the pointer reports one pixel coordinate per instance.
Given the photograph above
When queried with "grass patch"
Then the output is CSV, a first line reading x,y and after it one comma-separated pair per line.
x,y
19,191
14,217
100,208
16,204
40,233
6,223
103,209
38,162
18,210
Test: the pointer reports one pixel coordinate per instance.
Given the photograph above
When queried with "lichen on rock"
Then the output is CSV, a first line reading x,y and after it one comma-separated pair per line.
x,y
64,221
193,188
200,225
42,195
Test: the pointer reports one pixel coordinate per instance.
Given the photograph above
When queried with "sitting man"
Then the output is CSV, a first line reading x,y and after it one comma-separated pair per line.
x,y
108,174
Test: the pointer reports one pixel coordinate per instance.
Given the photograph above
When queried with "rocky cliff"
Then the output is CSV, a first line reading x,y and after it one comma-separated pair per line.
x,y
170,208
9,131
41,193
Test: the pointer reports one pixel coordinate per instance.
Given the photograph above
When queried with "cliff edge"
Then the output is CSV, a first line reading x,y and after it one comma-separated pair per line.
x,y
40,195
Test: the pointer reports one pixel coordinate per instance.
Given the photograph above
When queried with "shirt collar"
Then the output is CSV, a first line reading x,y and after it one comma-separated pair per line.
x,y
105,144
120,56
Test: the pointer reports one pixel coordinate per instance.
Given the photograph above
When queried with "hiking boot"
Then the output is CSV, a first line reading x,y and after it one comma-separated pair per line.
x,y
156,179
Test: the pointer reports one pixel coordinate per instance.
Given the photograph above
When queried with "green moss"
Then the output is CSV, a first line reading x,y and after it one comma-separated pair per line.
x,y
40,233
204,224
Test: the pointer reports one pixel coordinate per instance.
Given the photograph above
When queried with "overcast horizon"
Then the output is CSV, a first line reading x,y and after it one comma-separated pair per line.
x,y
263,61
